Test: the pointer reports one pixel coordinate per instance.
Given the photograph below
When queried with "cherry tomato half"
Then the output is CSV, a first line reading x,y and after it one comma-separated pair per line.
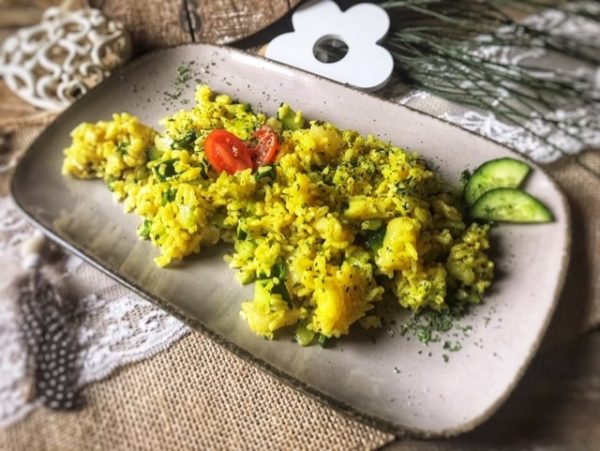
x,y
226,152
266,146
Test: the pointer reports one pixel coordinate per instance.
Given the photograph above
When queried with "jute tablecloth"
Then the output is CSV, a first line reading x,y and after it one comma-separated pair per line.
x,y
197,395
193,396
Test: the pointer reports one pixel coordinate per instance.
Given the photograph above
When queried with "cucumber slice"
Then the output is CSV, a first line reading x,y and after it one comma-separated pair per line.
x,y
510,205
499,173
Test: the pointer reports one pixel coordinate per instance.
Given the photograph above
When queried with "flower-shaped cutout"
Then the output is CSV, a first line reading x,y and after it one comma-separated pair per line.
x,y
366,64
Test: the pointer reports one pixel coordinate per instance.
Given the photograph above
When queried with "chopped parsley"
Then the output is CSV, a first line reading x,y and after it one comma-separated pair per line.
x,y
375,239
168,169
186,141
452,347
428,324
168,195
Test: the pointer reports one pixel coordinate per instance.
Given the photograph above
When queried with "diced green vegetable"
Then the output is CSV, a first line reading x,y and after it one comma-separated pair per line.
x,y
290,119
278,270
304,336
265,172
278,276
186,141
168,195
168,169
123,147
153,153
324,342
241,234
144,230
109,182
371,224
281,288
375,239
499,173
510,205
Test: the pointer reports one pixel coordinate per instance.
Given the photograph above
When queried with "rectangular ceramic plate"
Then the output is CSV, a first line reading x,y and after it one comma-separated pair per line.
x,y
387,378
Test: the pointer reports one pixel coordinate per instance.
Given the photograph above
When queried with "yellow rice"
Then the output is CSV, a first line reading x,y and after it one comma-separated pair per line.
x,y
342,219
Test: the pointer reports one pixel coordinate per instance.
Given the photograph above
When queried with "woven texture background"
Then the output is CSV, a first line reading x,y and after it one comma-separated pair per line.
x,y
196,395
193,396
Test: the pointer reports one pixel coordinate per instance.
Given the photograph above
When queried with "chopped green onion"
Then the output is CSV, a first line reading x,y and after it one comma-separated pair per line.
x,y
375,239
186,141
144,230
304,336
265,172
324,342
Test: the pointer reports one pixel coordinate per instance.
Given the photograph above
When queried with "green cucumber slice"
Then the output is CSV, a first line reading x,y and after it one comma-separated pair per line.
x,y
510,205
499,173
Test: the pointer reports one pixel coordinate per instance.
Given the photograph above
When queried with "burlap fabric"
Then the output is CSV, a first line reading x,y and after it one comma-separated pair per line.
x,y
193,396
197,395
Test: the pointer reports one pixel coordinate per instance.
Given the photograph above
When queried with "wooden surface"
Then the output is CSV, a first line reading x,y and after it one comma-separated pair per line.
x,y
556,405
159,23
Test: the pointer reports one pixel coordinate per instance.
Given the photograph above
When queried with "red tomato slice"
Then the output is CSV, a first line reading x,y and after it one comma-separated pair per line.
x,y
226,152
266,146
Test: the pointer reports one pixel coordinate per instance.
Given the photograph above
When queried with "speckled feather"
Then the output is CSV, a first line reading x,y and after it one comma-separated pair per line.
x,y
49,332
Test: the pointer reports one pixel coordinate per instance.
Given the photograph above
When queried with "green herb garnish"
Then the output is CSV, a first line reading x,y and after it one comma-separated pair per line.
x,y
168,195
168,169
375,239
123,147
324,342
265,172
186,141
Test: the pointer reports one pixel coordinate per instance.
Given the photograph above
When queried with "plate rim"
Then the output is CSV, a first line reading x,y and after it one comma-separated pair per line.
x,y
327,400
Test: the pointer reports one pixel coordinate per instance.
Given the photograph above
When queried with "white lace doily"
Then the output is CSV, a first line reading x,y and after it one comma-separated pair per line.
x,y
585,121
118,327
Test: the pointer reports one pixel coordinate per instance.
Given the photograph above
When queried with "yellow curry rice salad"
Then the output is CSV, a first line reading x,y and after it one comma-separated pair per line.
x,y
324,221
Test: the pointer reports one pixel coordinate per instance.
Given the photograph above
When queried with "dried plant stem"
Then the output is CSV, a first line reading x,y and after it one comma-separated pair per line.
x,y
442,46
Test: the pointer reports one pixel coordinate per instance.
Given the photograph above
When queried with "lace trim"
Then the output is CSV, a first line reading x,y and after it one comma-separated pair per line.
x,y
584,123
116,327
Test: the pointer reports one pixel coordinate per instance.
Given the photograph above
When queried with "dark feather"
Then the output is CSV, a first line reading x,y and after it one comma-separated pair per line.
x,y
50,333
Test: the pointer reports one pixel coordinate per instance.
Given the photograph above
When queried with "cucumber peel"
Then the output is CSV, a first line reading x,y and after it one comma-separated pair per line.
x,y
498,173
510,205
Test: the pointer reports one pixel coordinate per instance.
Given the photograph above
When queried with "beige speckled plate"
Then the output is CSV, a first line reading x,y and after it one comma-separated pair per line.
x,y
386,378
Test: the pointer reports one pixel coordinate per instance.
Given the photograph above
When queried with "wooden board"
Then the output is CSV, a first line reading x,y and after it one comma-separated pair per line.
x,y
170,22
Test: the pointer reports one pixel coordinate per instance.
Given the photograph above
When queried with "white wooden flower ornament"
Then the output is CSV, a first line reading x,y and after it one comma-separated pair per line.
x,y
52,63
366,64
